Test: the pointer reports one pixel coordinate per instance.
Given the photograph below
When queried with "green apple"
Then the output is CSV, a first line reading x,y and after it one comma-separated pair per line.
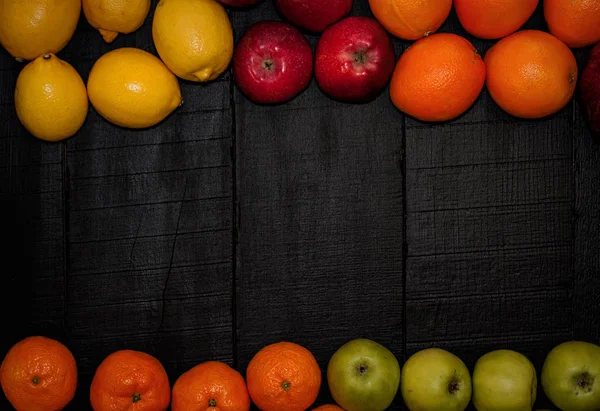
x,y
435,380
504,380
363,376
571,376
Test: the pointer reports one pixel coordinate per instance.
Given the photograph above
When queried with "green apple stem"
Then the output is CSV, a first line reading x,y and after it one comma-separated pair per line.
x,y
453,386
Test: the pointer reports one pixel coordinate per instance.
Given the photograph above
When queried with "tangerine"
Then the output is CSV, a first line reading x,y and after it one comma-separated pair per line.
x,y
130,380
576,22
283,376
411,19
438,78
494,19
328,407
531,74
213,386
39,374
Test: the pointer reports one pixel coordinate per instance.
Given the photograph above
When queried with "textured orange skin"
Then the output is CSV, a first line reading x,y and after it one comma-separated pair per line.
x,y
438,78
494,19
47,360
411,19
125,373
328,407
531,74
208,381
575,22
280,363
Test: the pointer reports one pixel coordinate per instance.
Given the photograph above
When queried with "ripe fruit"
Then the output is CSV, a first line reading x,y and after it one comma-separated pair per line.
x,y
504,380
211,385
436,380
575,23
273,62
411,19
363,375
494,19
194,38
111,17
531,74
51,99
29,29
570,376
438,78
589,89
283,376
130,380
355,59
313,15
328,407
132,88
39,374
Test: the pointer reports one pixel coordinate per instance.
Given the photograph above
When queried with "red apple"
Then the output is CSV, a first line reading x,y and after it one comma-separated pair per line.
x,y
355,59
239,3
313,15
589,86
272,62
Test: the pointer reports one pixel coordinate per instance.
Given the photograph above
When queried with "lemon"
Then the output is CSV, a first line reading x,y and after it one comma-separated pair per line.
x,y
32,28
132,88
51,99
193,37
111,17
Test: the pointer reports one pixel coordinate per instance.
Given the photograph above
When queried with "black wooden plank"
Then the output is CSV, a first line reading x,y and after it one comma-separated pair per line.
x,y
319,188
586,298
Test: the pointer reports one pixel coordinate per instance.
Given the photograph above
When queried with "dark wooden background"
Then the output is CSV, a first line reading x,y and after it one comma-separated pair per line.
x,y
231,226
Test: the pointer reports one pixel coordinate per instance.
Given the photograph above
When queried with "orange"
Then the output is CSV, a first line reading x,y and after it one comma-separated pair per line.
x,y
494,19
575,22
411,19
130,380
328,407
283,376
438,78
211,386
531,74
39,374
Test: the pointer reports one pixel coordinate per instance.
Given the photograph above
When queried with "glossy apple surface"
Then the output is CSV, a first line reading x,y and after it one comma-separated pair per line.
x,y
313,15
363,375
272,62
571,376
355,59
504,380
435,380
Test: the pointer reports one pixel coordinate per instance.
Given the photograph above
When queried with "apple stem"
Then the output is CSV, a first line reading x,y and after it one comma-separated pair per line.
x,y
360,57
362,369
453,386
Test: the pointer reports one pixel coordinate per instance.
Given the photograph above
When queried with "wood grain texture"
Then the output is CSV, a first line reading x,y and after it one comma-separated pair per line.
x,y
320,221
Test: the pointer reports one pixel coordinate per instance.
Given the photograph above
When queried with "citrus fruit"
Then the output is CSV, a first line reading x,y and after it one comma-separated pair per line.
x,y
111,17
211,385
411,19
130,380
574,22
438,78
193,37
51,99
493,19
39,374
132,88
531,74
328,407
283,376
29,29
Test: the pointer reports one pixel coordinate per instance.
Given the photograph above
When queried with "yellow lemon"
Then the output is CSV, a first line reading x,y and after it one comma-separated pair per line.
x,y
193,37
132,88
111,17
51,99
32,28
